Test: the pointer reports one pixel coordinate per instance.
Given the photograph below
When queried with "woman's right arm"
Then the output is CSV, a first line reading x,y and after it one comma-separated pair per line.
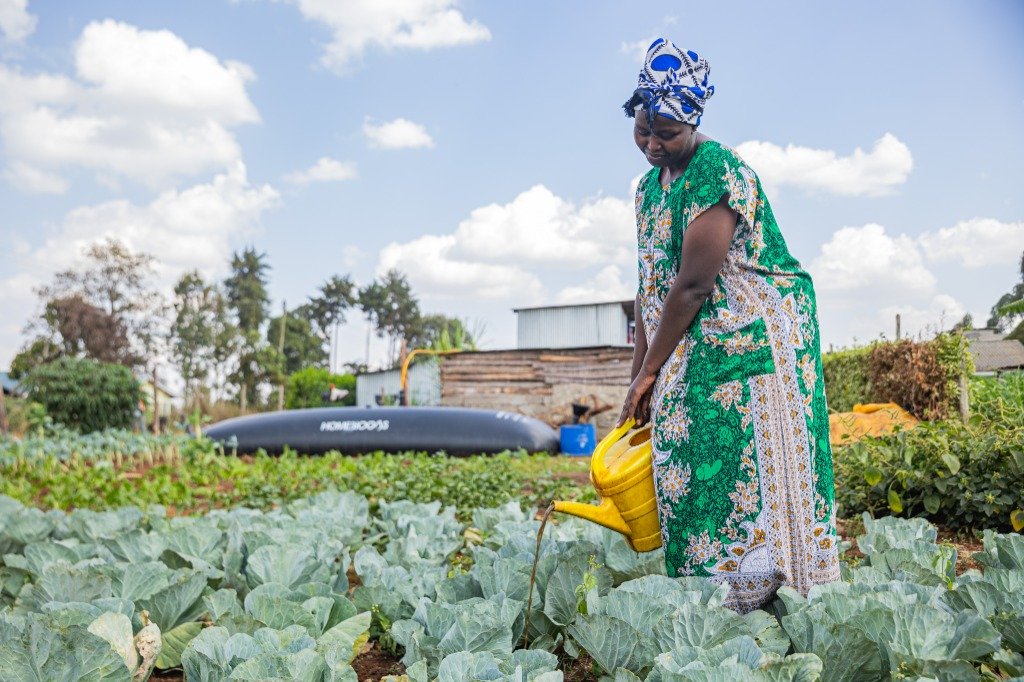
x,y
643,409
639,339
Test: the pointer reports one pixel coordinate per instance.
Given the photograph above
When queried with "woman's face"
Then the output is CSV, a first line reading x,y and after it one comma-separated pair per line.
x,y
668,144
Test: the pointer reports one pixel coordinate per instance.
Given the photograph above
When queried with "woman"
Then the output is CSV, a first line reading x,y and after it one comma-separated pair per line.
x,y
727,363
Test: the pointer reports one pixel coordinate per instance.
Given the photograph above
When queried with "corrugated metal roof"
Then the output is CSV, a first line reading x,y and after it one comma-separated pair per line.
x,y
990,356
575,305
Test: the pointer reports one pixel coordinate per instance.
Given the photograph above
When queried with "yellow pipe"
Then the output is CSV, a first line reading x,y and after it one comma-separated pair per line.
x,y
404,376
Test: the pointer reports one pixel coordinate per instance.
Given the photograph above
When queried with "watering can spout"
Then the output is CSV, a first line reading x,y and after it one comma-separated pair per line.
x,y
605,514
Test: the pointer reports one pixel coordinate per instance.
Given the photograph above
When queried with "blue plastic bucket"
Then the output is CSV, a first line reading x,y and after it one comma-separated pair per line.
x,y
577,440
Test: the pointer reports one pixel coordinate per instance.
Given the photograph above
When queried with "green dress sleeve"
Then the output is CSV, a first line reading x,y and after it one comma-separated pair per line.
x,y
721,172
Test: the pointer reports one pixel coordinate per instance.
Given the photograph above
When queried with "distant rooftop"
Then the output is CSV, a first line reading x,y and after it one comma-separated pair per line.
x,y
625,303
992,352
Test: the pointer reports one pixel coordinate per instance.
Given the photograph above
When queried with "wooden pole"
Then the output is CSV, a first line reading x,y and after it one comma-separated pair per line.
x,y
403,390
280,353
965,398
156,405
897,326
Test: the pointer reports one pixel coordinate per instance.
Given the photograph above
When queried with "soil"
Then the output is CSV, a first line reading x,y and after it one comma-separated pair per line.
x,y
373,663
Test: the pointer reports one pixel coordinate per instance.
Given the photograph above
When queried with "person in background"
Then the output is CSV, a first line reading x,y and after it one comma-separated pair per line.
x,y
727,360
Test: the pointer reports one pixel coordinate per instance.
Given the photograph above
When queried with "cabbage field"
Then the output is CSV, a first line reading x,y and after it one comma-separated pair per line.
x,y
300,591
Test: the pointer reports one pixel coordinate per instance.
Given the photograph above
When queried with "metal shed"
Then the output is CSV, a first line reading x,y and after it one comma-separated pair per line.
x,y
575,326
424,385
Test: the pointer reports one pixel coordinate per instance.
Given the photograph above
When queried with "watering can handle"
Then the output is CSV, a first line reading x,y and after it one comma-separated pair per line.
x,y
597,458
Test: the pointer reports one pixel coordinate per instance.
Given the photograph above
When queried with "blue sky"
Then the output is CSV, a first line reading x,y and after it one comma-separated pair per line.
x,y
481,148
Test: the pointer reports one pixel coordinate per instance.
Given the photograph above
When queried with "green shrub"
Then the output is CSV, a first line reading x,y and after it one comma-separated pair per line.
x,y
846,378
306,387
85,395
960,475
919,376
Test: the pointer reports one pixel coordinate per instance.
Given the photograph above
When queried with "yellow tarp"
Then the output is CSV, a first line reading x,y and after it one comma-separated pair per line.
x,y
875,419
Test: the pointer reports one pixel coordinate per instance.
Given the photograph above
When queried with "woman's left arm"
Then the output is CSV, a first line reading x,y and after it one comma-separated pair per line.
x,y
705,247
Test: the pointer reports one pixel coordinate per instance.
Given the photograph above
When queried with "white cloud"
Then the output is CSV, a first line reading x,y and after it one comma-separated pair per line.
x,y
867,259
519,250
975,243
540,227
143,106
358,25
940,313
324,170
15,21
398,134
606,285
191,228
873,173
32,179
637,49
435,268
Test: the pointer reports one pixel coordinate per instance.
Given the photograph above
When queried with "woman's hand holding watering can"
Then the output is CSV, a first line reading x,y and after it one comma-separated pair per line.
x,y
638,400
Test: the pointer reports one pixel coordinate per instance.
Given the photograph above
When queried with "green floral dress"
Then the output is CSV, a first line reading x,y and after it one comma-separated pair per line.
x,y
742,462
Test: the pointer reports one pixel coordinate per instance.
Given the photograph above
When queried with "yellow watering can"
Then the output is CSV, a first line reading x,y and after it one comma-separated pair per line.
x,y
621,470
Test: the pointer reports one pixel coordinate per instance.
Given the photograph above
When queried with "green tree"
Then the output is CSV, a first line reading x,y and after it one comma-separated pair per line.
x,y
86,395
306,388
109,309
192,332
302,346
247,297
392,309
37,352
1008,312
440,332
246,289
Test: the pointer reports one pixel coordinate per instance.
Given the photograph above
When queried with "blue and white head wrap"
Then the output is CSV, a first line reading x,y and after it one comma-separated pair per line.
x,y
673,83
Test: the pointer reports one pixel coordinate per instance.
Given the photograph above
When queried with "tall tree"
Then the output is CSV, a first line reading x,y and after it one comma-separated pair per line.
x,y
246,289
192,332
302,347
113,291
326,310
247,296
86,331
391,307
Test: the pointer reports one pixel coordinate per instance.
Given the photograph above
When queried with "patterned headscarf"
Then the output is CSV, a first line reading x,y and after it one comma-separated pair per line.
x,y
673,83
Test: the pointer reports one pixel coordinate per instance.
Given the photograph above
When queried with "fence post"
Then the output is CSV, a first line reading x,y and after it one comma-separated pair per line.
x,y
965,404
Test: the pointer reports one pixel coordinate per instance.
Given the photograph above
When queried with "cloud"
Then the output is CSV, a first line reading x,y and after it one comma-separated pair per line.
x,y
519,250
976,243
864,277
15,22
540,227
191,228
868,259
872,174
398,134
637,49
940,313
324,170
606,285
358,25
143,105
32,179
435,268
